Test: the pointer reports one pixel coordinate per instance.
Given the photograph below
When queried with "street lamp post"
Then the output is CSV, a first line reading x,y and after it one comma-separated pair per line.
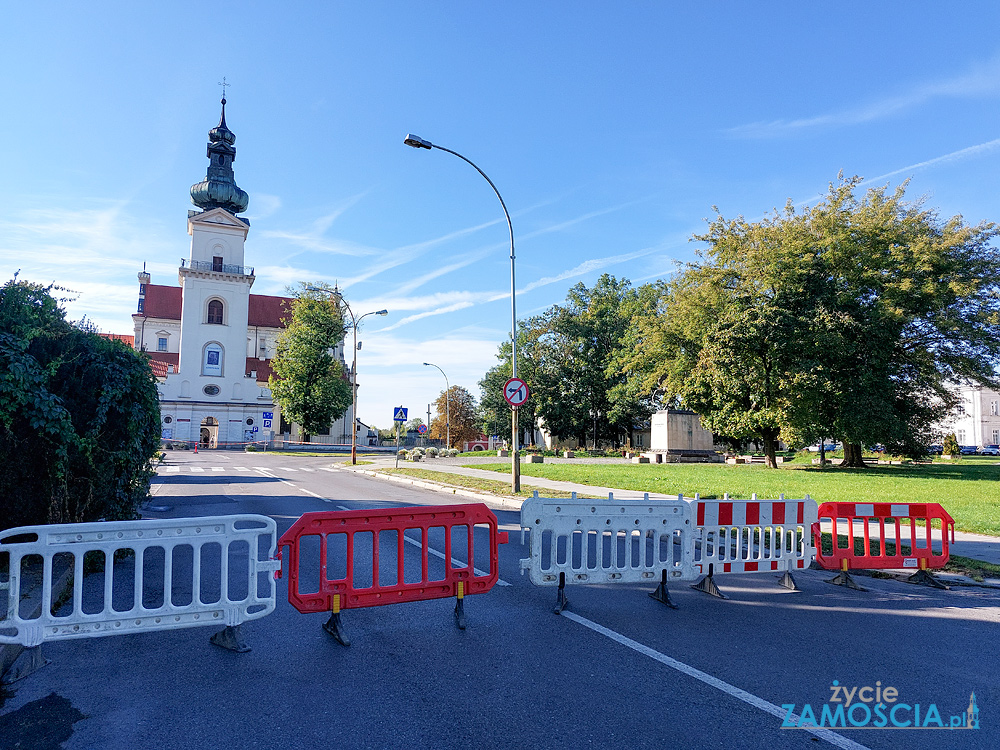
x,y
354,364
447,403
515,462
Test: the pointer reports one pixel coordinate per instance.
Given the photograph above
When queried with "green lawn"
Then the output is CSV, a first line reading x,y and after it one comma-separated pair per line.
x,y
486,486
968,489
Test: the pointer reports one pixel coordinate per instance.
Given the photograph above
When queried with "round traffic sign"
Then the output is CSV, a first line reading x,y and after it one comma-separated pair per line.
x,y
421,428
515,391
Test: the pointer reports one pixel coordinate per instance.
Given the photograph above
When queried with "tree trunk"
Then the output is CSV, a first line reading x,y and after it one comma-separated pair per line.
x,y
852,456
770,446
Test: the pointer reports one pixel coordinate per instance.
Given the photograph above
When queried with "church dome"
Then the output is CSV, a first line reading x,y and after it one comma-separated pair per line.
x,y
219,188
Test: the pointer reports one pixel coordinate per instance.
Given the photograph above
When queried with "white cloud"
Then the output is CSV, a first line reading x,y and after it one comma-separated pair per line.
x,y
982,80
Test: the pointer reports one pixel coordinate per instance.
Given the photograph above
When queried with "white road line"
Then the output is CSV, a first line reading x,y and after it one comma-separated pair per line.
x,y
171,469
197,468
821,732
260,468
285,468
431,550
217,468
242,468
303,468
326,468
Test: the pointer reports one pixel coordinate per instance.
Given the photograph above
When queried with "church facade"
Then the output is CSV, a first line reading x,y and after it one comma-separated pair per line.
x,y
210,340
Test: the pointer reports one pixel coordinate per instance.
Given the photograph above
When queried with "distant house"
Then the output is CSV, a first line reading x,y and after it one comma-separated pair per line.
x,y
977,419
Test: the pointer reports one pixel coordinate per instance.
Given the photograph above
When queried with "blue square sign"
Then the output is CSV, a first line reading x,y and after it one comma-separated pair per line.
x,y
268,415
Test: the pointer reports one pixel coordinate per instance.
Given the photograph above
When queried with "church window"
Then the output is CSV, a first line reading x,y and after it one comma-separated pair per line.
x,y
217,263
213,360
161,344
215,312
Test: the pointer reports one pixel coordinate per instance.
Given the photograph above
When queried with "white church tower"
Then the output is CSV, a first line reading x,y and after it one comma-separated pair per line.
x,y
211,340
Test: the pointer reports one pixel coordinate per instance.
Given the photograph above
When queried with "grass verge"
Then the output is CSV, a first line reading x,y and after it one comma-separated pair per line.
x,y
966,489
486,486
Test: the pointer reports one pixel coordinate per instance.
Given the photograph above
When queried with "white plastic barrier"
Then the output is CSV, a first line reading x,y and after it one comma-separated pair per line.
x,y
184,572
751,536
608,541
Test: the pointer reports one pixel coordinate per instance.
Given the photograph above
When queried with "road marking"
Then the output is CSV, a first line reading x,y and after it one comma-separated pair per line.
x,y
197,468
242,468
326,468
303,468
431,550
217,468
285,468
171,469
825,734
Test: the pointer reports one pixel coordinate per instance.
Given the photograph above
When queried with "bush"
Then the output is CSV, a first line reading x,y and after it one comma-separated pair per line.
x,y
951,445
401,453
82,408
432,452
251,448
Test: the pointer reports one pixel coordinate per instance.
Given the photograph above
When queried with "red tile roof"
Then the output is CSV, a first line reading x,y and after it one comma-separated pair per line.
x,y
165,302
130,340
159,368
268,311
262,366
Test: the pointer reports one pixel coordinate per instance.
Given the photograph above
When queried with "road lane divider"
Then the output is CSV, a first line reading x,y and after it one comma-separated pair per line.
x,y
822,733
350,559
139,576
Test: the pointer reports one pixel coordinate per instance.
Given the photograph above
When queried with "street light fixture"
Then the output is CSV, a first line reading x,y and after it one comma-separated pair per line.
x,y
515,463
447,403
354,365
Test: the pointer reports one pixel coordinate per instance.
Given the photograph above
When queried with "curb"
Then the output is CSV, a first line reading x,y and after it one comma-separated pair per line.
x,y
10,651
500,501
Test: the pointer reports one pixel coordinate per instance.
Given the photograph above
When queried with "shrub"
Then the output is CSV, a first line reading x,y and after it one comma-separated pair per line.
x,y
432,452
401,453
951,445
251,448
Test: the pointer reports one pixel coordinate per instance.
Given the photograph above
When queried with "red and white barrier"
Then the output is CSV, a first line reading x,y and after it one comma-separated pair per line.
x,y
752,536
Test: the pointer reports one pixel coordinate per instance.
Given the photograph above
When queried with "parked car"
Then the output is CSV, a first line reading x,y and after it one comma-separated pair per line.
x,y
968,450
936,450
990,450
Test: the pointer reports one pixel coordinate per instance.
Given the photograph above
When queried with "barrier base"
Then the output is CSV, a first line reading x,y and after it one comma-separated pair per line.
x,y
460,613
707,585
561,601
29,662
788,582
334,627
231,638
843,578
923,578
661,594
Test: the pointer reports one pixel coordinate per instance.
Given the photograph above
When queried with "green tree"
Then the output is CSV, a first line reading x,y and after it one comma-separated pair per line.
x,y
852,319
458,404
309,383
84,408
581,387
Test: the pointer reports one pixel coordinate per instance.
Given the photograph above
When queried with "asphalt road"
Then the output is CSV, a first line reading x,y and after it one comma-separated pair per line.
x,y
617,669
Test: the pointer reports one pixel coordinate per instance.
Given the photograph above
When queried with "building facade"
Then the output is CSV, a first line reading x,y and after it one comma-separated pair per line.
x,y
977,419
211,341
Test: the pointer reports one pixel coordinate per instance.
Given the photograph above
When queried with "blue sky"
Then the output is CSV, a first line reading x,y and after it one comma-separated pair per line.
x,y
611,129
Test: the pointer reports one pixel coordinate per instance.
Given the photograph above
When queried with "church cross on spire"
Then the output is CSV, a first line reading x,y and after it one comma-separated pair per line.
x,y
224,85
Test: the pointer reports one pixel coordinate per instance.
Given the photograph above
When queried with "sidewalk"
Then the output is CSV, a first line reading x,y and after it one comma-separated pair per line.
x,y
976,546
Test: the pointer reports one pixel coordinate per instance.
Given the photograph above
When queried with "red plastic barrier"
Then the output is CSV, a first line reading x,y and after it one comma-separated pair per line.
x,y
342,593
928,545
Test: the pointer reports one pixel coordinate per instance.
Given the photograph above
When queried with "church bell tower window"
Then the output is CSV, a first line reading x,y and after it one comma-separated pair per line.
x,y
215,312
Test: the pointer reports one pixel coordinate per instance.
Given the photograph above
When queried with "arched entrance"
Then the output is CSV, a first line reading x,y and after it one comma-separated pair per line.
x,y
209,435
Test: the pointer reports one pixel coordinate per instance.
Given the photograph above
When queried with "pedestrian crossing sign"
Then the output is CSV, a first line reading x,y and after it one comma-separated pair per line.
x,y
399,414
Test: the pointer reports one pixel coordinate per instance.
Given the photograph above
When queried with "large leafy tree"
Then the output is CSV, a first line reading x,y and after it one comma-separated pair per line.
x,y
79,416
309,383
460,406
581,388
852,319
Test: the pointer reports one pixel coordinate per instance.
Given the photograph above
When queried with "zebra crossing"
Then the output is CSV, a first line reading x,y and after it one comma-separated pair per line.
x,y
265,469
